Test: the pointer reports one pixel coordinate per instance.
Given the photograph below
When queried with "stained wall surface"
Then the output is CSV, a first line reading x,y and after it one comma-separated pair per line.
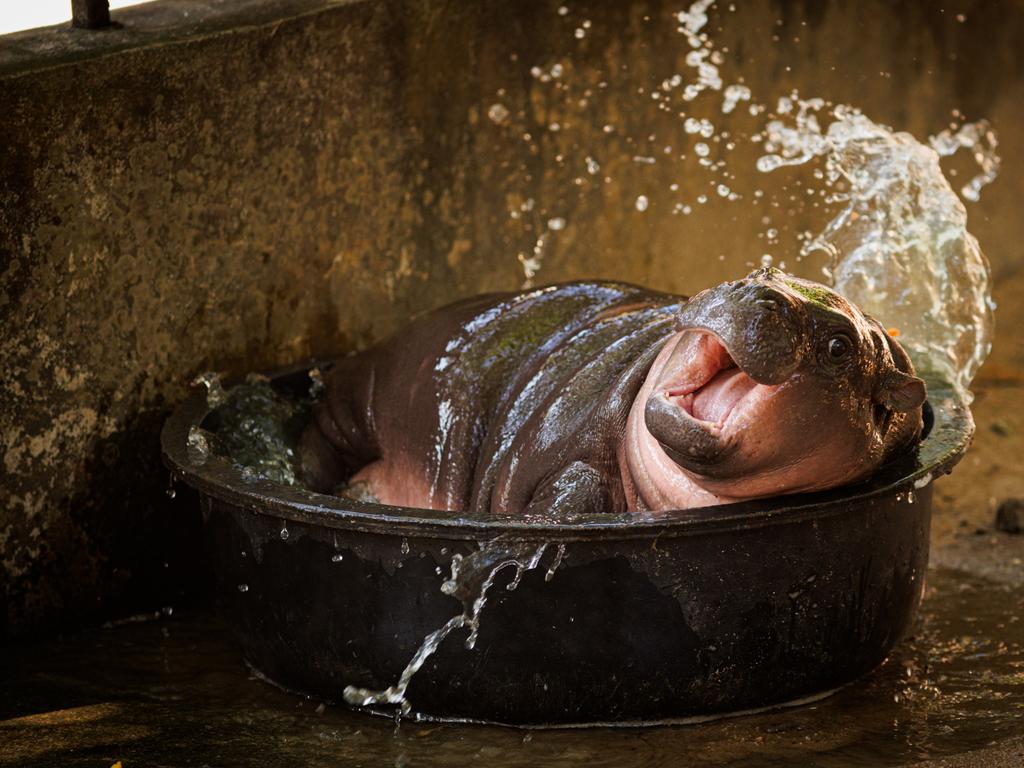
x,y
261,182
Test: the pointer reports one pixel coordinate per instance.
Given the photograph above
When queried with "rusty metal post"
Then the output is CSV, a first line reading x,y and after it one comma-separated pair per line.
x,y
90,14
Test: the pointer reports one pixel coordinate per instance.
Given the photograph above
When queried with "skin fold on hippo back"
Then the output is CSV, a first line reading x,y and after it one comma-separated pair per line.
x,y
493,403
597,397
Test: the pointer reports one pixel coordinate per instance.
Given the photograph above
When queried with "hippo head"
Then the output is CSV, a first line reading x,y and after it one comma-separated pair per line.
x,y
776,385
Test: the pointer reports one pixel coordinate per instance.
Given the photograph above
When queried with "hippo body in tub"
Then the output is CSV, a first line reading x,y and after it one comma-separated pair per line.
x,y
604,397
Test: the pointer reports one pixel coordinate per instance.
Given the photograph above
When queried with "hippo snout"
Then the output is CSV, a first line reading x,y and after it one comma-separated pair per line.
x,y
764,328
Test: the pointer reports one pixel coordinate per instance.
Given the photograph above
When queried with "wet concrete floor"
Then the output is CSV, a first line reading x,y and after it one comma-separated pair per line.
x,y
173,691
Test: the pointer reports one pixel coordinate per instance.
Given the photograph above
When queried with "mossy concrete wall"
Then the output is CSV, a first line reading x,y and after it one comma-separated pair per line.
x,y
261,182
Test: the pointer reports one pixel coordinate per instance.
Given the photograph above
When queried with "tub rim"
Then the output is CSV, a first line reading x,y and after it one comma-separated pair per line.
x,y
215,477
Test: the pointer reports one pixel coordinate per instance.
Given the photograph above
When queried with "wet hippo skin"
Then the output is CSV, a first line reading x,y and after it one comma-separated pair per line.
x,y
607,397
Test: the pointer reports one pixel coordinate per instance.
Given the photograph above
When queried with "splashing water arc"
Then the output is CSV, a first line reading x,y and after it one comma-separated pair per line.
x,y
899,246
897,242
470,580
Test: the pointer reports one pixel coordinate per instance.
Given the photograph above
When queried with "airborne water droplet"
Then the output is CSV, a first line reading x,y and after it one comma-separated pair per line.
x,y
732,95
498,113
768,163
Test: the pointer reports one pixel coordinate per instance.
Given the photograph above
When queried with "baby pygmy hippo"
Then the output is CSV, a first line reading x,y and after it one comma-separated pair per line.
x,y
603,397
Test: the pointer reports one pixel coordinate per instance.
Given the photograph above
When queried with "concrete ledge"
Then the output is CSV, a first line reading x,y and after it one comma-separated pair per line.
x,y
156,23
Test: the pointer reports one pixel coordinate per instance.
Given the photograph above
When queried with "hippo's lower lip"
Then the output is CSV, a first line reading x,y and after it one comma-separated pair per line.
x,y
688,442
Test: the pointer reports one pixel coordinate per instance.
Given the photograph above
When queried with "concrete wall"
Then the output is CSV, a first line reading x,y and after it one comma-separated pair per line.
x,y
261,182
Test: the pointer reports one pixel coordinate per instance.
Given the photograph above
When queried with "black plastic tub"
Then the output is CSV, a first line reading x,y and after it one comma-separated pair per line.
x,y
693,614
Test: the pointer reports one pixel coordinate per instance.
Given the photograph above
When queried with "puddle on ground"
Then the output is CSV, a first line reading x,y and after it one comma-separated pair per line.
x,y
174,691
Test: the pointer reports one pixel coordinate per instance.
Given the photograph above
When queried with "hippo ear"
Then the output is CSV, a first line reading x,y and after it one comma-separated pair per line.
x,y
902,392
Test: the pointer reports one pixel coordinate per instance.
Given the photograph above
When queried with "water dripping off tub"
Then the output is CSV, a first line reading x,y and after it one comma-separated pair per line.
x,y
469,581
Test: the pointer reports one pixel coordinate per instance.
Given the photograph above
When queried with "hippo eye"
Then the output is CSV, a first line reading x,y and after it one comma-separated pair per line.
x,y
839,347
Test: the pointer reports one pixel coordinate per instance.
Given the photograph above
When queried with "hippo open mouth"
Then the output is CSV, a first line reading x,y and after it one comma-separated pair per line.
x,y
702,394
724,387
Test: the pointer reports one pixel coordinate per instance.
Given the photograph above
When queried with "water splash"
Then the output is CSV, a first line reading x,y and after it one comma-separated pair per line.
x,y
899,245
533,261
732,96
258,428
470,579
545,137
316,383
559,554
215,394
980,140
199,441
395,694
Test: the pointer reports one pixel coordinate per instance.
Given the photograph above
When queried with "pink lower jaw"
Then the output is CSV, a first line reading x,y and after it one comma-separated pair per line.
x,y
684,394
684,402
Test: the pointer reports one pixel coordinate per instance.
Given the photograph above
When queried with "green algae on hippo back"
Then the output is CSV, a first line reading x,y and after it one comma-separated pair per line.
x,y
607,398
